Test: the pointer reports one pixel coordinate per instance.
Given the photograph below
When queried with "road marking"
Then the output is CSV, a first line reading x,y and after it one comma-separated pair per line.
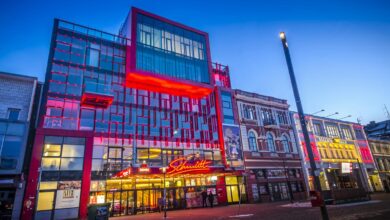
x,y
241,216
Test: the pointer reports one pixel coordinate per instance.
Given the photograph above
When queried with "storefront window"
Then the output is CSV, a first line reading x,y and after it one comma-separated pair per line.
x,y
47,185
71,163
50,163
231,180
51,150
60,186
72,150
45,201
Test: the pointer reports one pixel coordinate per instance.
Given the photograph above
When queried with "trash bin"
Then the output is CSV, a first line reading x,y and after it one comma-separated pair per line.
x,y
99,211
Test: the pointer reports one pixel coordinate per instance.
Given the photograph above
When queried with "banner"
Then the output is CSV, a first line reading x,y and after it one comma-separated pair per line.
x,y
233,148
68,194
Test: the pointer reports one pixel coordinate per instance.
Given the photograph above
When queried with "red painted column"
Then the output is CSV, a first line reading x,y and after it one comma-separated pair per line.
x,y
30,200
221,191
86,181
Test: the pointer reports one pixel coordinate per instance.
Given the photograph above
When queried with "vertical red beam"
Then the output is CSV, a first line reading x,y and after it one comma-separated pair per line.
x,y
29,202
218,110
86,181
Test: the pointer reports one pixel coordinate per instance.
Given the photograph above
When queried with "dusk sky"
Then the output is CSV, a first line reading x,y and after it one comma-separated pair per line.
x,y
340,49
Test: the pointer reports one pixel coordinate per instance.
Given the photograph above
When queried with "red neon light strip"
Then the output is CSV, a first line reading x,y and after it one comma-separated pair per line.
x,y
162,85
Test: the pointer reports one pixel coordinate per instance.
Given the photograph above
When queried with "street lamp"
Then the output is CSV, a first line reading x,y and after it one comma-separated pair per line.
x,y
336,113
348,116
164,171
314,172
322,110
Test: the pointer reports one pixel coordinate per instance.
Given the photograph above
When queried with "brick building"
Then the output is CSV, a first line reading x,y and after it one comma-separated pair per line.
x,y
19,96
272,161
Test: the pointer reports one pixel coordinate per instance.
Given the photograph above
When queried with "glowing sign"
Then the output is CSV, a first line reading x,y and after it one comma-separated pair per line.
x,y
346,167
144,168
124,173
182,165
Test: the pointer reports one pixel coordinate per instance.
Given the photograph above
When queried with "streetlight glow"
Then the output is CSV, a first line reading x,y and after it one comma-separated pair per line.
x,y
282,35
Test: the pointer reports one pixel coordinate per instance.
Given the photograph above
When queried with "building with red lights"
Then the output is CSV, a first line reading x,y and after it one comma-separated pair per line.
x,y
117,108
272,161
344,161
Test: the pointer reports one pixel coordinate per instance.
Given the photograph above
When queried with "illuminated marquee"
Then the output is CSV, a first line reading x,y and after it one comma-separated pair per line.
x,y
182,165
124,173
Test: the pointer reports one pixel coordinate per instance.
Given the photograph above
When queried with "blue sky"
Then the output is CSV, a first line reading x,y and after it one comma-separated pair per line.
x,y
340,49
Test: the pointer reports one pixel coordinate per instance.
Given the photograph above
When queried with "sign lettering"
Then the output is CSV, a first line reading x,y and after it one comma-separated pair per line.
x,y
182,165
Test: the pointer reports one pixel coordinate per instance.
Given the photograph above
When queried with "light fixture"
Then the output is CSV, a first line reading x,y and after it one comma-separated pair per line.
x,y
282,35
322,110
345,117
336,113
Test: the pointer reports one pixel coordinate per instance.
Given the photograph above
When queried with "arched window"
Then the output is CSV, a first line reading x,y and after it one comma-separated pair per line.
x,y
252,141
285,143
270,142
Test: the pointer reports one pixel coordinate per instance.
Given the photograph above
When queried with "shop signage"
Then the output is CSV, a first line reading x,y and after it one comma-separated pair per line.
x,y
124,173
144,168
346,167
68,195
182,165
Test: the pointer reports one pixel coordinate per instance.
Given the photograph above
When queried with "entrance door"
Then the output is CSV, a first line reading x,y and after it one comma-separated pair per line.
x,y
114,198
147,200
232,194
275,192
130,203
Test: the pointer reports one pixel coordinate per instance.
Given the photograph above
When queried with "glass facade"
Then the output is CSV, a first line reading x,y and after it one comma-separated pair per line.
x,y
60,178
136,128
169,50
227,108
12,136
158,120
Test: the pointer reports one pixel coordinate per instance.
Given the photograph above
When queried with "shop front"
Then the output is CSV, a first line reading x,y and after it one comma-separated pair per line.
x,y
139,190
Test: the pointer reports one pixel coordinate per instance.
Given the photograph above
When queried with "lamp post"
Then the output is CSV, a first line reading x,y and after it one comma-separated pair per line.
x,y
314,172
336,113
322,110
164,170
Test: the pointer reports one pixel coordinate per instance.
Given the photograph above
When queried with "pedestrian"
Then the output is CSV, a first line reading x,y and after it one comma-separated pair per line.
x,y
204,197
160,204
211,198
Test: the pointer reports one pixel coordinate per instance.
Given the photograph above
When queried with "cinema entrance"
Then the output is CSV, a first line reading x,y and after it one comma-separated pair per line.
x,y
143,193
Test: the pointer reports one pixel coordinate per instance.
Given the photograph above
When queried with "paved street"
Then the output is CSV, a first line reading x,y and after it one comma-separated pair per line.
x,y
377,208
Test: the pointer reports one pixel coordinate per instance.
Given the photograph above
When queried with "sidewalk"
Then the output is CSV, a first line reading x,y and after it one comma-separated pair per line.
x,y
377,208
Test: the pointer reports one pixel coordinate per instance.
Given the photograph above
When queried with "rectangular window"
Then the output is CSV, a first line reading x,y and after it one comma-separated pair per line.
x,y
45,201
332,130
346,132
13,114
93,56
87,119
318,128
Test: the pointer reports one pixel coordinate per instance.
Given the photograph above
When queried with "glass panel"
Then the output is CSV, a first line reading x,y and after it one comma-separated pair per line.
x,y
12,146
15,129
229,194
231,180
115,153
71,163
50,163
72,150
234,190
48,185
66,213
51,150
45,201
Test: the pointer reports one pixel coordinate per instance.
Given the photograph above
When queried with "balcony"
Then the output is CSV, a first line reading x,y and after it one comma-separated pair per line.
x,y
270,123
96,95
221,75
